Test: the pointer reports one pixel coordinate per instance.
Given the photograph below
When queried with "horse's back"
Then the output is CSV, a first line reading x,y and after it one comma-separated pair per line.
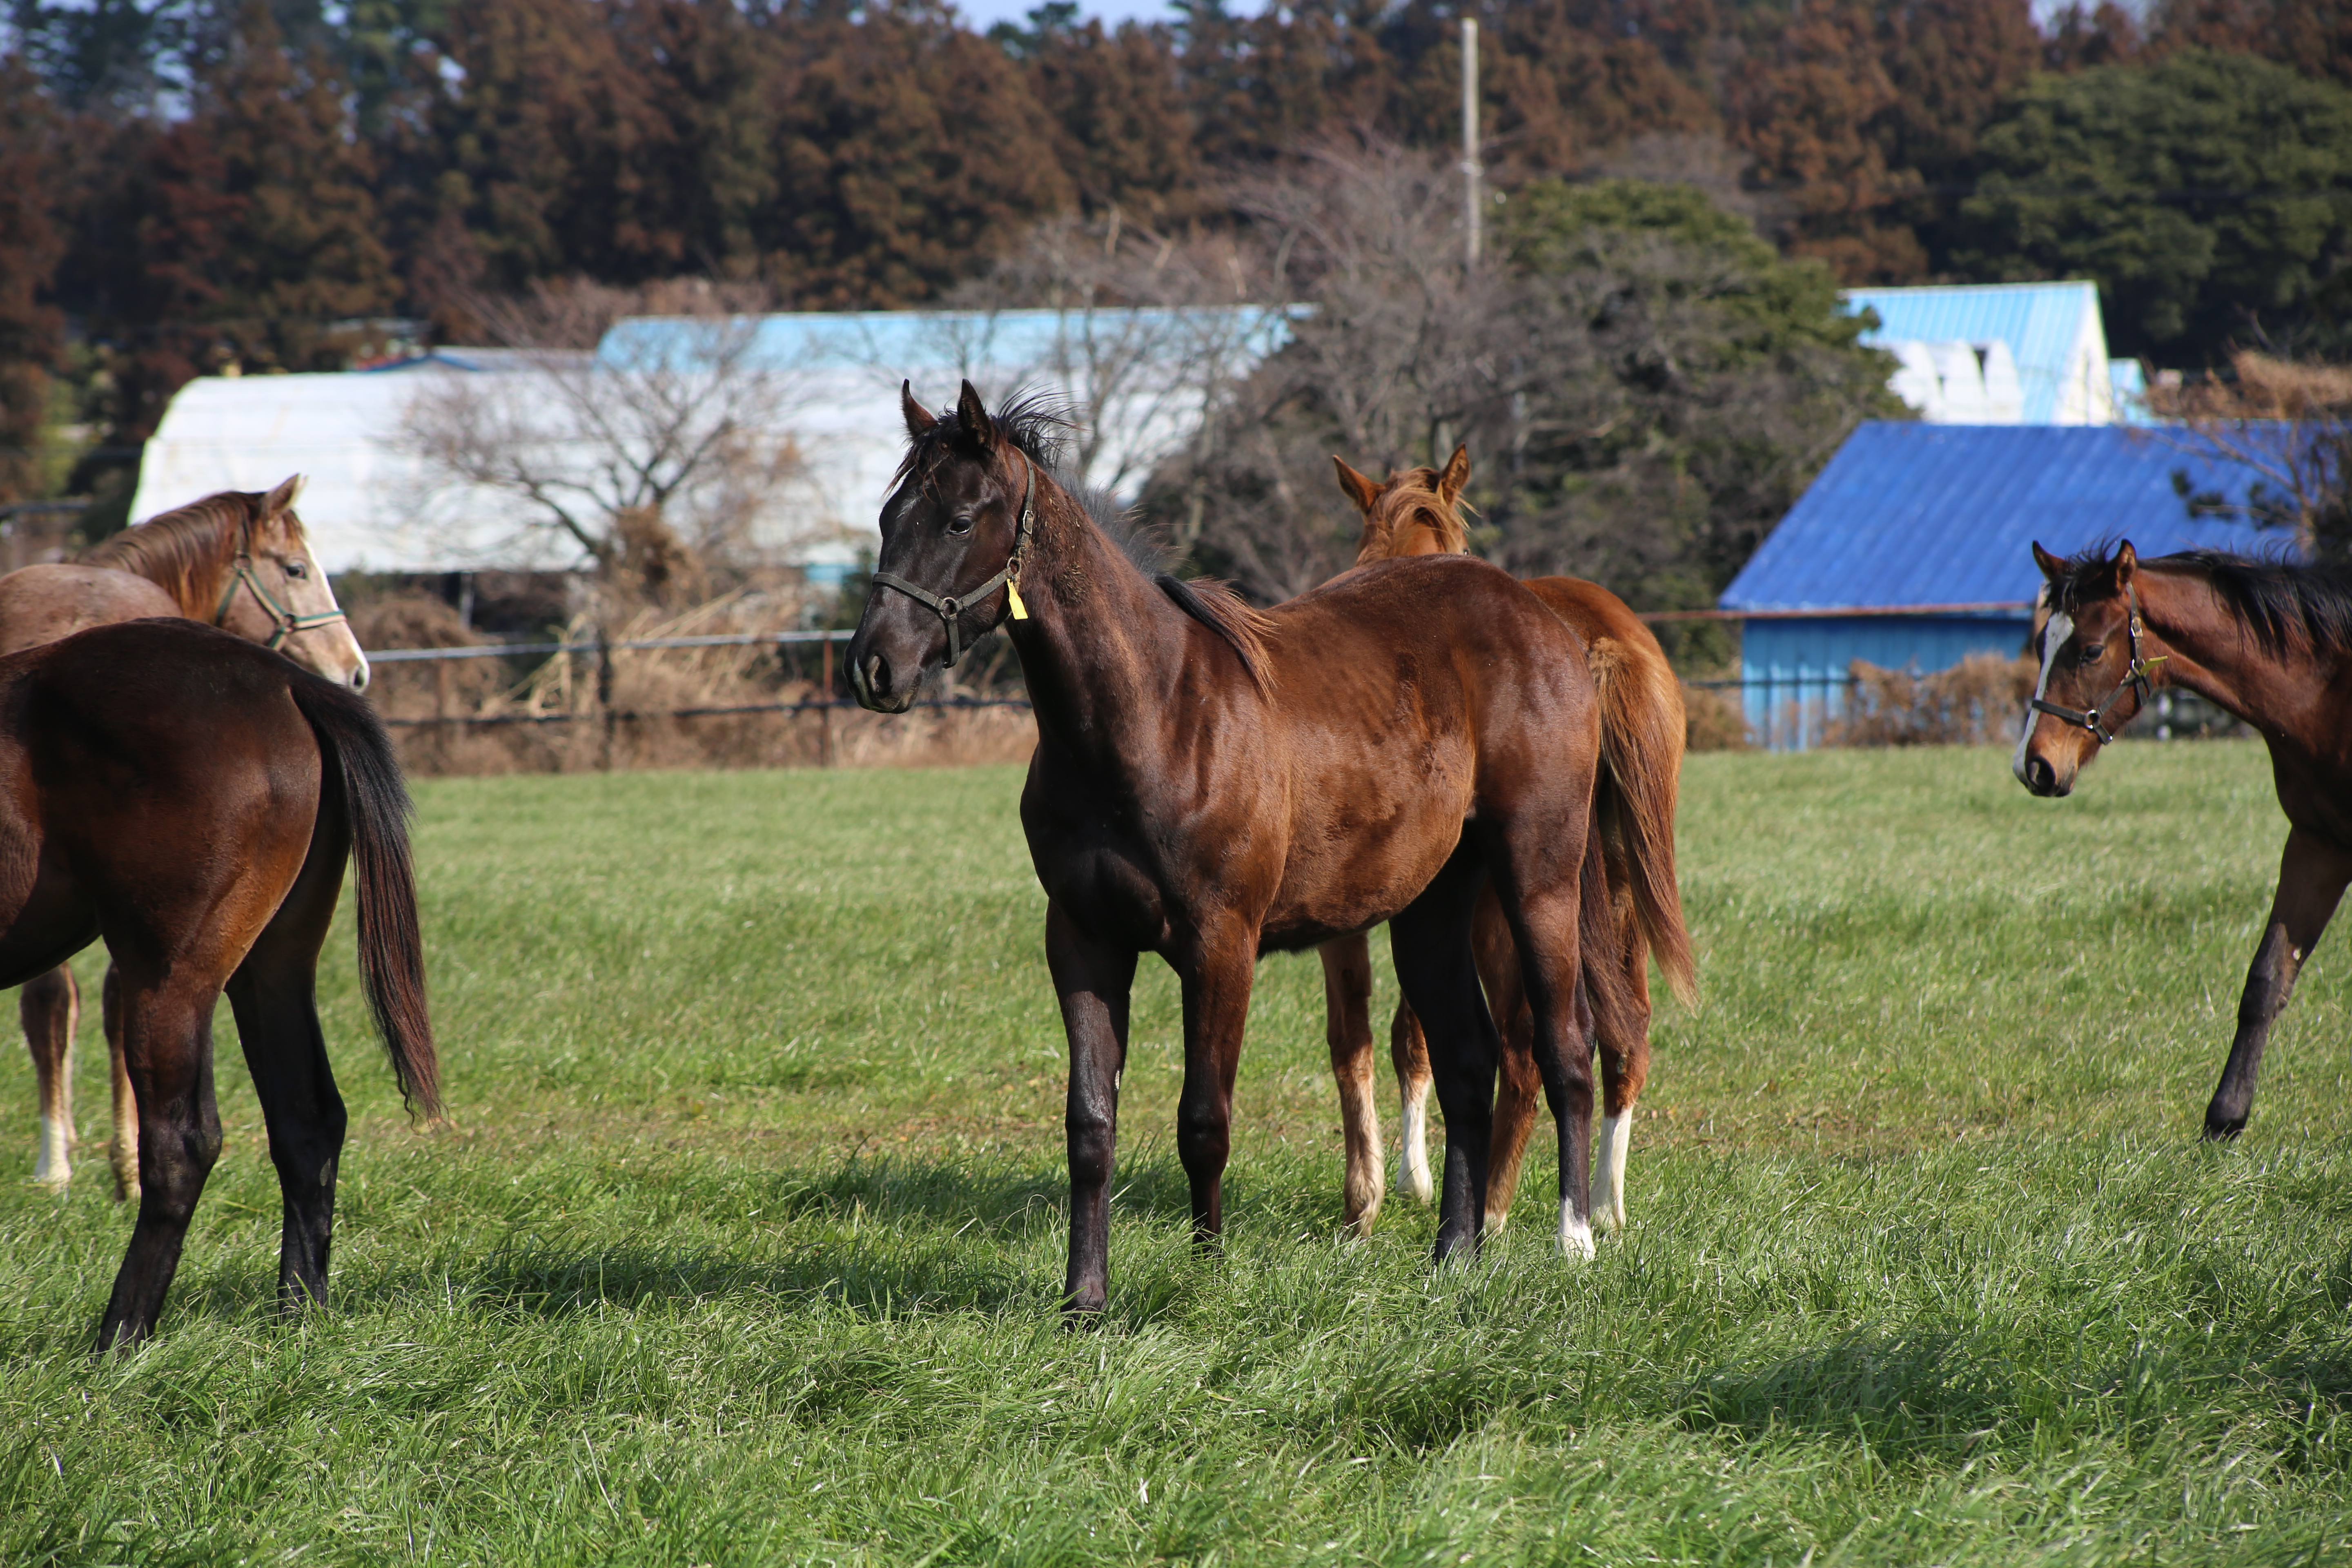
x,y
42,604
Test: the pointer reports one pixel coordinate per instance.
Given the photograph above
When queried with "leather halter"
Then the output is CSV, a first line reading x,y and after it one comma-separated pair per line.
x,y
283,622
950,608
2135,678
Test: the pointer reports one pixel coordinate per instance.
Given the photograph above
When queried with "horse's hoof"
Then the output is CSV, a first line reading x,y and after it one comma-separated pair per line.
x,y
1575,1241
2223,1129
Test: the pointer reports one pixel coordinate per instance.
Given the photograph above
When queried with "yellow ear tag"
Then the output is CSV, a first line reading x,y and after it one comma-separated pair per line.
x,y
1012,596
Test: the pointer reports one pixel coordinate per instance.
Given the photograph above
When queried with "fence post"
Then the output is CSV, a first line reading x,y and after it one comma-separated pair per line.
x,y
604,692
825,714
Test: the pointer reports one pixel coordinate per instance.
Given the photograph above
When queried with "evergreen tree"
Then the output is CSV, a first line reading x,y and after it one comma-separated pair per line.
x,y
30,245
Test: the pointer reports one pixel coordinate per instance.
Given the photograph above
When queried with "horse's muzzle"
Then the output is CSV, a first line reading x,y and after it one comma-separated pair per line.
x,y
871,678
2043,779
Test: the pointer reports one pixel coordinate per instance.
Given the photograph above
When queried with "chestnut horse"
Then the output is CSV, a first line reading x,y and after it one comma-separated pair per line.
x,y
1418,512
1212,783
192,799
2268,642
240,560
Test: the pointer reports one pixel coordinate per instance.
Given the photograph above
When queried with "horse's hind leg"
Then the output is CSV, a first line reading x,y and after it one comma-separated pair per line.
x,y
50,1008
1518,1088
123,1154
1624,1069
167,1021
2313,875
1409,1052
1348,1025
274,995
1430,940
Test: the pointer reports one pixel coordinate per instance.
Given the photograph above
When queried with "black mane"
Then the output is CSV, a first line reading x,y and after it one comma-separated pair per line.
x,y
2284,606
1037,425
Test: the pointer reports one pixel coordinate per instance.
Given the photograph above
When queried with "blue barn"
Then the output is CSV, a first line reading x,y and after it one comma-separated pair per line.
x,y
1911,549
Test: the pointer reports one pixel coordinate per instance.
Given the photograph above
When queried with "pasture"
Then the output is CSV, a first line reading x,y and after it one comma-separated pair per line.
x,y
747,1242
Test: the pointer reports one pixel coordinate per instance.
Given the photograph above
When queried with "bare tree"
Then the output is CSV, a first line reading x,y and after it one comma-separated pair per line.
x,y
2289,424
668,443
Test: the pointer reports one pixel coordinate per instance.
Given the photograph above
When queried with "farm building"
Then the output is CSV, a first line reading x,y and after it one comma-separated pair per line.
x,y
2002,353
373,504
1911,549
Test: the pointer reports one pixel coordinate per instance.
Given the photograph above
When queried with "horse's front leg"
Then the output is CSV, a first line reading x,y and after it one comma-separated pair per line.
x,y
1093,979
1348,1026
1216,976
2311,878
50,1009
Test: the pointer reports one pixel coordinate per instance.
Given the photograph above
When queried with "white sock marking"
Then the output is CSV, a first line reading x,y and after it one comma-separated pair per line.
x,y
1412,1151
54,1169
1575,1236
2055,634
1608,1181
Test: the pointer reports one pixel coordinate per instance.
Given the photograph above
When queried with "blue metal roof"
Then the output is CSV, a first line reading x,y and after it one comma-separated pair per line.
x,y
2042,323
1945,515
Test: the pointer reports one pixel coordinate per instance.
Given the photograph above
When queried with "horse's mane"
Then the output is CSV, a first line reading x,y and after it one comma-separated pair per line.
x,y
186,551
1037,425
1413,490
2283,605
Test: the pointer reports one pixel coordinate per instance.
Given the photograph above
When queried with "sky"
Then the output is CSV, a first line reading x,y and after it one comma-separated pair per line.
x,y
983,15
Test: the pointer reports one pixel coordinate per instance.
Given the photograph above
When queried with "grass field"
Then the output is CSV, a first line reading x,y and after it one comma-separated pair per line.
x,y
747,1242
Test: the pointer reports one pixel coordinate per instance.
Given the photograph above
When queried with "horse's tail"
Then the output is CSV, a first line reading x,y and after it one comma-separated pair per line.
x,y
375,811
1642,732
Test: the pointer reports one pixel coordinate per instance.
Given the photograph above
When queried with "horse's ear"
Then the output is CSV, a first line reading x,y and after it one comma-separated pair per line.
x,y
1456,475
918,418
2126,562
2050,566
1355,486
973,415
281,497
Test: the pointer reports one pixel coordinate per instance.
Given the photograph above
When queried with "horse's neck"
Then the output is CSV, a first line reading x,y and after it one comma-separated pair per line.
x,y
1103,644
2208,651
196,585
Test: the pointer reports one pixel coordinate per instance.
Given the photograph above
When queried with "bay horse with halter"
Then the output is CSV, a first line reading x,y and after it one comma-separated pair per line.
x,y
240,560
1418,511
2268,642
192,800
1212,783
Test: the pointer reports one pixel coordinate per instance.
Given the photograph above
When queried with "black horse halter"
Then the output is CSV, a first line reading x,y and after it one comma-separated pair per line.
x,y
949,608
2135,678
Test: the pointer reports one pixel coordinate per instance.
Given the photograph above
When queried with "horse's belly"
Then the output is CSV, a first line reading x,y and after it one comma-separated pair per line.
x,y
1348,874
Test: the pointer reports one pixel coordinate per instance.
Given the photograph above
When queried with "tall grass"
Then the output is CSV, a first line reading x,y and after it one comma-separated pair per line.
x,y
746,1245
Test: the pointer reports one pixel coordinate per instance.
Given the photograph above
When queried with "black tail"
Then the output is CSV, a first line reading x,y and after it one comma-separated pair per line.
x,y
392,953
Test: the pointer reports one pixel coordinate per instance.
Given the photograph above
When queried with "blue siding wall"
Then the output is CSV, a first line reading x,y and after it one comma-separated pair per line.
x,y
1793,671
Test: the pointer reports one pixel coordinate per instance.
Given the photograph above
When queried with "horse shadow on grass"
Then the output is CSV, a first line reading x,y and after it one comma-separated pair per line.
x,y
1935,1394
879,1234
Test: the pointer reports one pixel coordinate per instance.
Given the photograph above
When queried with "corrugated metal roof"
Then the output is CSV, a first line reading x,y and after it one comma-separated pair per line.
x,y
2044,325
1944,514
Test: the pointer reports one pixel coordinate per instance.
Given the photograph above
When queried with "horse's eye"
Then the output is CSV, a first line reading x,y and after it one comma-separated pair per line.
x,y
959,524
297,570
2091,652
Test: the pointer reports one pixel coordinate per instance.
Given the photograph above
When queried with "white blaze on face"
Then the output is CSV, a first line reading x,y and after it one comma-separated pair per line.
x,y
2054,636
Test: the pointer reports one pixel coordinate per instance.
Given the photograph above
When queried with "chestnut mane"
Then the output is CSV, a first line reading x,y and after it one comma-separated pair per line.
x,y
190,551
1411,500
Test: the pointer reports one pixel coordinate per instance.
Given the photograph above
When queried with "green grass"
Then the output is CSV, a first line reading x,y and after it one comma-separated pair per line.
x,y
746,1245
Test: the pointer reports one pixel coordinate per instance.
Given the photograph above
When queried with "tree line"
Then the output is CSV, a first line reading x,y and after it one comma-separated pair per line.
x,y
190,187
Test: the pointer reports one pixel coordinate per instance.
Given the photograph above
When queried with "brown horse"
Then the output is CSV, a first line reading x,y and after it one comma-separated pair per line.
x,y
192,799
2268,642
240,560
1418,512
1212,783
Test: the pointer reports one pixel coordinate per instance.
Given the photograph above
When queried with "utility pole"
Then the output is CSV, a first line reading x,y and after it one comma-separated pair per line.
x,y
1470,166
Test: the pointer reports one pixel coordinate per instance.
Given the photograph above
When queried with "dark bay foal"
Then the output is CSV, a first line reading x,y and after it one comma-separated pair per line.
x,y
192,799
2269,643
1212,783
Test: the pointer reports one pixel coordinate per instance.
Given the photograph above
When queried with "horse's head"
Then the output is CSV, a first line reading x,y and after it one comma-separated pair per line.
x,y
954,529
2096,665
1416,512
275,595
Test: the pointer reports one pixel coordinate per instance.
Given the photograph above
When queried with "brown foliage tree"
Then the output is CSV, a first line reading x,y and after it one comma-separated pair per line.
x,y
31,328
